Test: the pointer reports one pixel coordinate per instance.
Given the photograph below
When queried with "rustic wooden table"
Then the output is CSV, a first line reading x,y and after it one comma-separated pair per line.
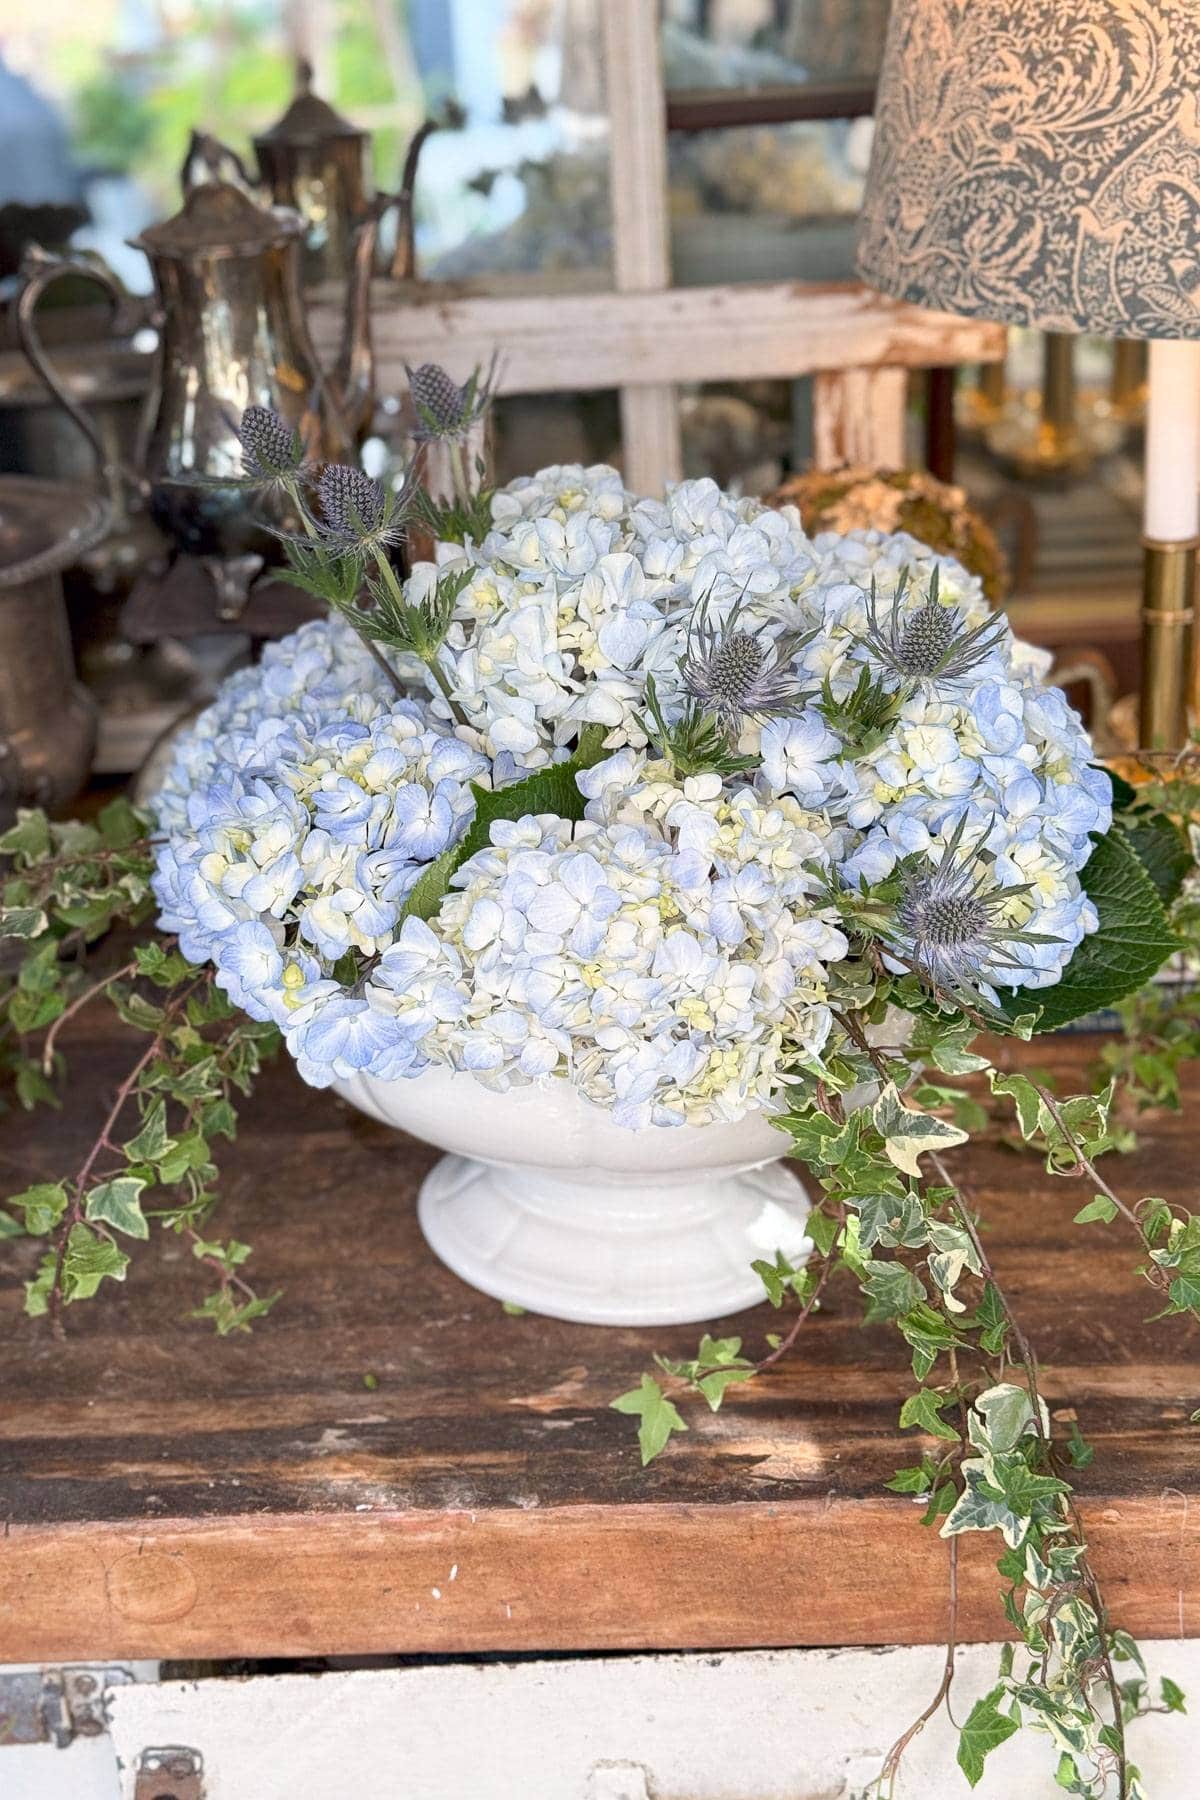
x,y
168,1494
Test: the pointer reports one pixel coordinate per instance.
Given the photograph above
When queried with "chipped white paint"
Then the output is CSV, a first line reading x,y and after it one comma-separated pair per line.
x,y
573,342
782,1725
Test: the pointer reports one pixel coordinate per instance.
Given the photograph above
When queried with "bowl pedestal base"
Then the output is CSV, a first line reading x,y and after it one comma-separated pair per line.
x,y
667,1248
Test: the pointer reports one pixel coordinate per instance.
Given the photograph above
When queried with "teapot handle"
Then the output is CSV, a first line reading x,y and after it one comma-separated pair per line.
x,y
39,271
208,159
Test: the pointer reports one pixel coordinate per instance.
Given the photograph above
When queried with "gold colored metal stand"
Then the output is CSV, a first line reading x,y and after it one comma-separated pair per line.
x,y
1169,681
1045,443
1129,384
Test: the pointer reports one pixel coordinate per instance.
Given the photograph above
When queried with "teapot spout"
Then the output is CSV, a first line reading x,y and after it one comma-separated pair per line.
x,y
353,377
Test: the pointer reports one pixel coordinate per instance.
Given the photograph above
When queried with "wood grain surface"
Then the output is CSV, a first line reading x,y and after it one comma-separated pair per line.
x,y
165,1493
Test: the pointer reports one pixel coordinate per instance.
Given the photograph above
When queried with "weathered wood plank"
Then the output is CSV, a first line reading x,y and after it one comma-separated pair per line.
x,y
651,438
858,417
571,342
287,1507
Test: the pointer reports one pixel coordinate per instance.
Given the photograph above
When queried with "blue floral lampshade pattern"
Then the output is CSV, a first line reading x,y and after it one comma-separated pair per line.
x,y
1038,162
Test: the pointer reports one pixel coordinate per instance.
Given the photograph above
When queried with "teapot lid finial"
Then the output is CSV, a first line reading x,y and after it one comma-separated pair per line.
x,y
309,119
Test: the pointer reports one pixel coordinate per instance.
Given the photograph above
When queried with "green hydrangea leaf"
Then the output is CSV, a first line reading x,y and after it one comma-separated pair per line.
x,y
1133,941
1162,850
552,790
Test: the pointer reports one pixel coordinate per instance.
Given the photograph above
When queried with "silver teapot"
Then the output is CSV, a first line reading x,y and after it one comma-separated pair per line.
x,y
233,333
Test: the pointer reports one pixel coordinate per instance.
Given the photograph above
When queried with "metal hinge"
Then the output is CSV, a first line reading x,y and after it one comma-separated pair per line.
x,y
169,1772
55,1706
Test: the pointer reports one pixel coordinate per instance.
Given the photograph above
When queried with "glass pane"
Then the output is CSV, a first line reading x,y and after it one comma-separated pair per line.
x,y
98,97
771,43
767,202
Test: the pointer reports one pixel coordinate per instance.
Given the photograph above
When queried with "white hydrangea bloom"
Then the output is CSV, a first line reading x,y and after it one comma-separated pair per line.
x,y
668,962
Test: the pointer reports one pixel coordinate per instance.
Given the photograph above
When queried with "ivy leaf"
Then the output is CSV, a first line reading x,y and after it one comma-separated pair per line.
x,y
152,1142
914,1480
121,824
1185,1294
896,1221
89,1261
1173,1697
1132,943
1001,1417
925,1409
116,1203
43,1205
892,1290
29,837
659,1416
1099,1208
975,1511
907,1135
1025,1098
22,921
985,1730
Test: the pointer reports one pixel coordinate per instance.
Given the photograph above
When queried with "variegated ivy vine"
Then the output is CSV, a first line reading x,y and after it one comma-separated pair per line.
x,y
892,1218
895,1220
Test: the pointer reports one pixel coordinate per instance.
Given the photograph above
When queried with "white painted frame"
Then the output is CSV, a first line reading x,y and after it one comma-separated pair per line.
x,y
646,336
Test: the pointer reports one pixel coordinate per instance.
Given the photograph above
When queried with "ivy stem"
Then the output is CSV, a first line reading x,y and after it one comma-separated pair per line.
x,y
785,1344
75,1212
1084,1160
894,1757
1029,1363
77,1005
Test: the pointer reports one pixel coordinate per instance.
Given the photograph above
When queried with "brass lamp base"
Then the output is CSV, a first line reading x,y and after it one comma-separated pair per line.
x,y
1168,679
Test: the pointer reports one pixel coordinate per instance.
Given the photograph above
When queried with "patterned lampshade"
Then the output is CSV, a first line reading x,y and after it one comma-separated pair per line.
x,y
1038,162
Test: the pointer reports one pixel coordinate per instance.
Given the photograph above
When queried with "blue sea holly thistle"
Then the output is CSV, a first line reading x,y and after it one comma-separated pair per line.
x,y
954,926
272,450
740,675
447,413
932,642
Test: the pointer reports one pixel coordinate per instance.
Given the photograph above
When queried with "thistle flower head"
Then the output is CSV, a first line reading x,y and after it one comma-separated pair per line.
x,y
736,675
951,924
444,409
932,643
357,512
271,448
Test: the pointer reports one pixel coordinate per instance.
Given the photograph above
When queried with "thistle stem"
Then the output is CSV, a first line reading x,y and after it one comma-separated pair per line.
x,y
429,658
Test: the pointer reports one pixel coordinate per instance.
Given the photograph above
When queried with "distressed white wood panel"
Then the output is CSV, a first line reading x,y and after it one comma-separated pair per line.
x,y
572,342
858,417
651,437
770,1725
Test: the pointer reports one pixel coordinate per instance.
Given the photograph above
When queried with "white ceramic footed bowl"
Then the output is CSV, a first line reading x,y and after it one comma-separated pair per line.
x,y
547,1204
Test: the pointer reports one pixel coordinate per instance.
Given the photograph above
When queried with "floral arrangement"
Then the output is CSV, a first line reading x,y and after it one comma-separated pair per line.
x,y
763,742
673,801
